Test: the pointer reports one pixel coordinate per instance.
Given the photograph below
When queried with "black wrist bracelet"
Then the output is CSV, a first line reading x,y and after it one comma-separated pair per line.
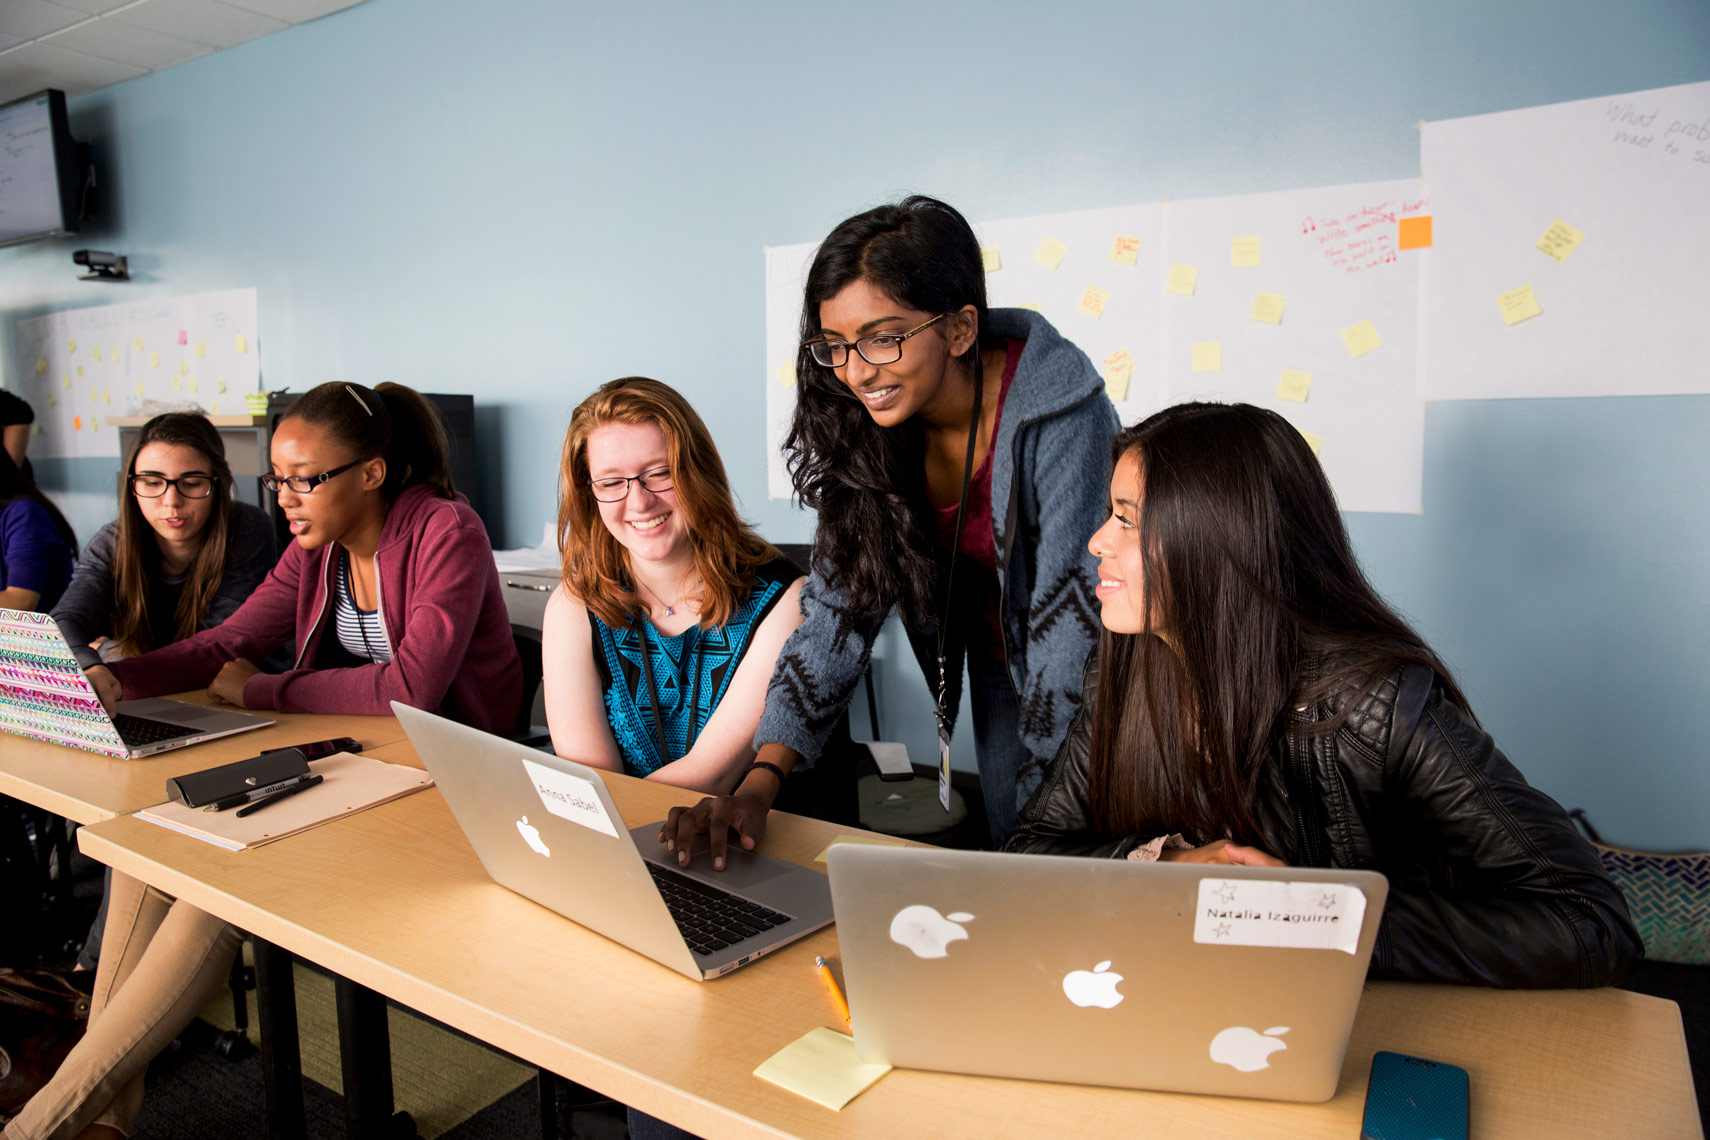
x,y
770,767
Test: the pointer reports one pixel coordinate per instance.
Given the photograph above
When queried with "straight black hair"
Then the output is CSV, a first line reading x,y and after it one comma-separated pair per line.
x,y
868,483
16,483
1254,606
390,422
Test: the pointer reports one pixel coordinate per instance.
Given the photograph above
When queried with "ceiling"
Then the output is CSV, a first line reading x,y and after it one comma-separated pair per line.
x,y
81,45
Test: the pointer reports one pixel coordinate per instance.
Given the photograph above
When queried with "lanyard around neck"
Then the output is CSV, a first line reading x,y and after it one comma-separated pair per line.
x,y
653,695
956,545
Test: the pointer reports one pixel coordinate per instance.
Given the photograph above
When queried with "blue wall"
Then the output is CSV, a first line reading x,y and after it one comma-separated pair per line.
x,y
558,194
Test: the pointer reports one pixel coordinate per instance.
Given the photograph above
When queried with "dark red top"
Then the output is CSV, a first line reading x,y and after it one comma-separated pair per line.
x,y
976,580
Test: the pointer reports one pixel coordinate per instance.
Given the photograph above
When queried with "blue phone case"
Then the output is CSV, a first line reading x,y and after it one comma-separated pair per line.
x,y
1410,1098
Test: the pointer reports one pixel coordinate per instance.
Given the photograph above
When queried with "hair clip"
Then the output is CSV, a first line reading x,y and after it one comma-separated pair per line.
x,y
357,396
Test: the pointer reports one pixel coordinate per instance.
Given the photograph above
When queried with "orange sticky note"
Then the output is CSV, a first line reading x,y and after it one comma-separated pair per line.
x,y
1093,300
1416,232
76,423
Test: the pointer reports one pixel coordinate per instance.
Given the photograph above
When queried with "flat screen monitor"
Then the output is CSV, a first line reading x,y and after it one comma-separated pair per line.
x,y
38,179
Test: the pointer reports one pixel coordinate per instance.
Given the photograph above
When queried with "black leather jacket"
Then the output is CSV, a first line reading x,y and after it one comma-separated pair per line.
x,y
1489,883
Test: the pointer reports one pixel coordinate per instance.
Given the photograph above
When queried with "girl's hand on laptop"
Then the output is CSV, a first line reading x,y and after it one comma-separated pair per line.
x,y
1224,852
106,686
715,817
228,684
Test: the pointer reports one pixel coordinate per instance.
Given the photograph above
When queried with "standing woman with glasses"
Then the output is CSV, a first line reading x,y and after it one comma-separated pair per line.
x,y
957,458
391,593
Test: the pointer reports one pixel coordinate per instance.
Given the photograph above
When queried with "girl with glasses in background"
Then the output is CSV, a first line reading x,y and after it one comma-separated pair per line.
x,y
391,593
956,456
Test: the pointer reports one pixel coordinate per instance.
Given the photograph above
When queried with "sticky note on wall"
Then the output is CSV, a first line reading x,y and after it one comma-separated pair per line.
x,y
1559,241
1208,356
1125,250
1268,307
1361,339
1414,233
1315,442
785,374
1050,253
1246,252
990,259
1294,386
1118,371
1519,305
1093,300
1182,280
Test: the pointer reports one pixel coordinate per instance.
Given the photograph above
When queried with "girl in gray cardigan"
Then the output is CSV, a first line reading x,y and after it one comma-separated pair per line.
x,y
925,424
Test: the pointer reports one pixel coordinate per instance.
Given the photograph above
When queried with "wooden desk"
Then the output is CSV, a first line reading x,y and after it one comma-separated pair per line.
x,y
87,787
395,899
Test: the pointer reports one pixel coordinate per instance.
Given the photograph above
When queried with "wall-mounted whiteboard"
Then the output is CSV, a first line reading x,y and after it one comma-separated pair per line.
x,y
1615,190
1305,302
82,367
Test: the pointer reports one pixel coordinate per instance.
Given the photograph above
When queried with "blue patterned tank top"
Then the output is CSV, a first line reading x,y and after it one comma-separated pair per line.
x,y
691,672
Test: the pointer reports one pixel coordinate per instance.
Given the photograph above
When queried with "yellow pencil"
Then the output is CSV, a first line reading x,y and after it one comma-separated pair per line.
x,y
831,988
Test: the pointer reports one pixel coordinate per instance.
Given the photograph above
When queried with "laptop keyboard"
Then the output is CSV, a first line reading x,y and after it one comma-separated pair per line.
x,y
709,918
138,731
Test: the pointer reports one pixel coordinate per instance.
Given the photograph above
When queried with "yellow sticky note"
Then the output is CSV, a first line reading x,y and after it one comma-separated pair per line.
x,y
94,423
242,343
1559,240
71,347
140,389
1268,307
1034,305
1360,339
214,406
95,353
190,382
1125,250
106,395
154,360
1182,280
1519,305
785,374
1294,386
1050,253
114,354
36,428
1116,385
1093,300
94,395
220,384
41,365
1313,441
52,399
178,383
860,841
1208,356
137,344
183,368
823,1067
990,258
65,382
1245,252
201,348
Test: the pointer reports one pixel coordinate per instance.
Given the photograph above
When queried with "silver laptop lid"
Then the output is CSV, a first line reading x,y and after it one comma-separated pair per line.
x,y
1240,981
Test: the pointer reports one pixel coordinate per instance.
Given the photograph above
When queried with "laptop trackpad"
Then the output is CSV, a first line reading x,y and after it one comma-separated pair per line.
x,y
742,869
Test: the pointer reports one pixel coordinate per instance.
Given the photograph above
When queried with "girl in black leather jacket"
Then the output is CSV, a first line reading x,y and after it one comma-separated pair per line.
x,y
1253,701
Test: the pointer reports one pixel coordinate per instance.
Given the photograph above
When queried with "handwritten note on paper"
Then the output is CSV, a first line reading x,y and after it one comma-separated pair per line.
x,y
785,374
823,1067
1093,300
1294,385
1415,233
1519,305
1118,370
1208,356
1050,253
1268,307
1368,237
1125,250
1315,442
1182,280
1559,241
1361,339
990,259
1246,252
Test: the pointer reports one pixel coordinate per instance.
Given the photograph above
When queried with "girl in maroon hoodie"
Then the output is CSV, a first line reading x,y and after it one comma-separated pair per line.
x,y
391,593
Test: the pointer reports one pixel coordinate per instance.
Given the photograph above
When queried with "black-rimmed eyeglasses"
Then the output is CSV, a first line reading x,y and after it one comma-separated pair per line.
x,y
189,486
616,488
880,348
303,484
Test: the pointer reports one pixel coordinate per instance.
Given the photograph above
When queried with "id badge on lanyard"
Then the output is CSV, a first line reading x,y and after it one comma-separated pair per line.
x,y
944,623
943,766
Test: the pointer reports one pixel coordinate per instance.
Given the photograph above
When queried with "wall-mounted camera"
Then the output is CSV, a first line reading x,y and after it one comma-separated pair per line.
x,y
102,266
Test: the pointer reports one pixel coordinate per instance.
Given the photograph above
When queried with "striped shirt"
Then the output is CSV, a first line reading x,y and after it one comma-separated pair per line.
x,y
361,632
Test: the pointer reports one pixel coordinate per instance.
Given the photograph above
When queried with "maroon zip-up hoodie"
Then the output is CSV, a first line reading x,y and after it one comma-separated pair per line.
x,y
440,600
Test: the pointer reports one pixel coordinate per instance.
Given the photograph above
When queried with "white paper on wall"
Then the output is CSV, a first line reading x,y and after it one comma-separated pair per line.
x,y
81,367
1614,189
1303,302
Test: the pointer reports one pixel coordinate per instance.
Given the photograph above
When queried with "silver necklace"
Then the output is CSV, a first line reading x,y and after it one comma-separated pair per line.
x,y
670,607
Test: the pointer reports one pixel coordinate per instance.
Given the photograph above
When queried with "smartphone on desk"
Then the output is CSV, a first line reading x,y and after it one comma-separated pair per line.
x,y
1410,1098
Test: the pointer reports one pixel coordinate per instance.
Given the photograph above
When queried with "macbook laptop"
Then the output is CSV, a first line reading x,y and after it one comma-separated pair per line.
x,y
44,694
1238,981
547,828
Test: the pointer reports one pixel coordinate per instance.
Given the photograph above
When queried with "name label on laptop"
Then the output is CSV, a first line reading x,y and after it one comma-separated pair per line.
x,y
570,797
1274,912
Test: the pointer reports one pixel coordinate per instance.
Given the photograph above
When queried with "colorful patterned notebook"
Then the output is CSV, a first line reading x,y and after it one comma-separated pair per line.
x,y
43,693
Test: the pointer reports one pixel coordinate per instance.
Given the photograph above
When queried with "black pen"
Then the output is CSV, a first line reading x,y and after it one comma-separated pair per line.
x,y
251,796
305,782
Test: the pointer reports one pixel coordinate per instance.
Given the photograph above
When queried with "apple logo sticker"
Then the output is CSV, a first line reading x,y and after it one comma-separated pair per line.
x,y
926,932
531,836
1246,1049
1093,987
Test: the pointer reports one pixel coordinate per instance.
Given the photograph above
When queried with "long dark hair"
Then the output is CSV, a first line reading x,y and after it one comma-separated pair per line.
x,y
1254,605
390,422
137,549
867,482
16,483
